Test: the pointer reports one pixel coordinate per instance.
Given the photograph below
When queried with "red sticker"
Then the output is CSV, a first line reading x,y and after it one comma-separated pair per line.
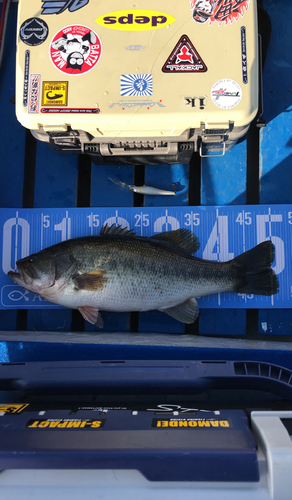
x,y
220,11
75,49
184,59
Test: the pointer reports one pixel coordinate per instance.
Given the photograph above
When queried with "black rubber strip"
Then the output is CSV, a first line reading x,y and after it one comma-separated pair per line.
x,y
82,200
194,199
138,201
27,201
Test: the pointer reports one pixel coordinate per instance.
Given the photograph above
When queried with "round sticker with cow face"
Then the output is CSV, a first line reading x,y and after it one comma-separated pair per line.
x,y
75,50
226,93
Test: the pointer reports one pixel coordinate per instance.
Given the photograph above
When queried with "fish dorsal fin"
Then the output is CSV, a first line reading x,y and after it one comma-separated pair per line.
x,y
116,231
182,238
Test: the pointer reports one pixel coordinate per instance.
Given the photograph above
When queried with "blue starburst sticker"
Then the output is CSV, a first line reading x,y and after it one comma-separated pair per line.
x,y
136,85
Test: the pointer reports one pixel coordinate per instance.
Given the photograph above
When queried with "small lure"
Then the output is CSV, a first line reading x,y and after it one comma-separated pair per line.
x,y
142,189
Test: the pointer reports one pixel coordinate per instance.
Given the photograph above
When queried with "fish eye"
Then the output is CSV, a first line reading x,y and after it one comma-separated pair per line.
x,y
32,258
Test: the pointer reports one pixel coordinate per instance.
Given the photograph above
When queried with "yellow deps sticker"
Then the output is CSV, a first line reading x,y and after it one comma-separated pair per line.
x,y
55,93
135,20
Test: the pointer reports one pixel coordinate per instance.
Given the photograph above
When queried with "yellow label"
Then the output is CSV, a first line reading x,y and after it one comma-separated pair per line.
x,y
12,408
55,93
65,424
181,423
135,20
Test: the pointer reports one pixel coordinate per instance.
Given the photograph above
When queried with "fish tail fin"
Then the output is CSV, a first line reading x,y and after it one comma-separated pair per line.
x,y
256,273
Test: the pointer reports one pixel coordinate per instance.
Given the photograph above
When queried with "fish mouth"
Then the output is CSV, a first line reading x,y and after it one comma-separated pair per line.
x,y
14,276
19,278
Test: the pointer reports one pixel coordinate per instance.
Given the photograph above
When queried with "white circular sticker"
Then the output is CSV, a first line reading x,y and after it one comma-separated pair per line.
x,y
75,49
226,93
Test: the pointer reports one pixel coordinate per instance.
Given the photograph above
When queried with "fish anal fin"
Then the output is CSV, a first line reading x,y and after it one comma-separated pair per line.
x,y
186,312
92,281
181,238
91,314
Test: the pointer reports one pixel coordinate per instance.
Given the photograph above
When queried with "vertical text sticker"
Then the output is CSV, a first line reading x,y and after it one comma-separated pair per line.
x,y
26,77
243,54
34,93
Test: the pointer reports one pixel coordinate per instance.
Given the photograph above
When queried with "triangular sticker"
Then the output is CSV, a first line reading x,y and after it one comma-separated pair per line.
x,y
184,59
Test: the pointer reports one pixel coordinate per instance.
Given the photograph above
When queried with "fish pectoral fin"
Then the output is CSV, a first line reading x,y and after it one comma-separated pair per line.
x,y
92,281
91,314
181,238
186,312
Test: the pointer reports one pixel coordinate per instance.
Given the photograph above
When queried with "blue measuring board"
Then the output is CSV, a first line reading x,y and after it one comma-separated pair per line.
x,y
224,233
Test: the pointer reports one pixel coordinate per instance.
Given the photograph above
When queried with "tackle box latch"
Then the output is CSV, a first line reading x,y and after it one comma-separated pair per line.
x,y
213,139
212,149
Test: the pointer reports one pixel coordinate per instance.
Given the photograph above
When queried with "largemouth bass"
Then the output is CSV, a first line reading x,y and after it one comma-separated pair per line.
x,y
119,271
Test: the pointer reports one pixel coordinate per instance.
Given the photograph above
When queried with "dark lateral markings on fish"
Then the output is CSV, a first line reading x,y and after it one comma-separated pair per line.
x,y
122,272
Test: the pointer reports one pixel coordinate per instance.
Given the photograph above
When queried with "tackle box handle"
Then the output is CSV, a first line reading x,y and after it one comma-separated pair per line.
x,y
171,148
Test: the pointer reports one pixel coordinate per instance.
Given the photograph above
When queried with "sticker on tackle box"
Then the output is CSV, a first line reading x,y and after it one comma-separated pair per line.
x,y
55,94
220,11
184,58
224,232
136,85
34,93
34,31
226,93
135,20
50,7
75,49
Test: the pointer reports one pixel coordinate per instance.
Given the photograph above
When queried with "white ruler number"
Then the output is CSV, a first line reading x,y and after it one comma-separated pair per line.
x,y
192,219
244,219
219,239
21,249
141,220
64,227
44,224
93,221
264,232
